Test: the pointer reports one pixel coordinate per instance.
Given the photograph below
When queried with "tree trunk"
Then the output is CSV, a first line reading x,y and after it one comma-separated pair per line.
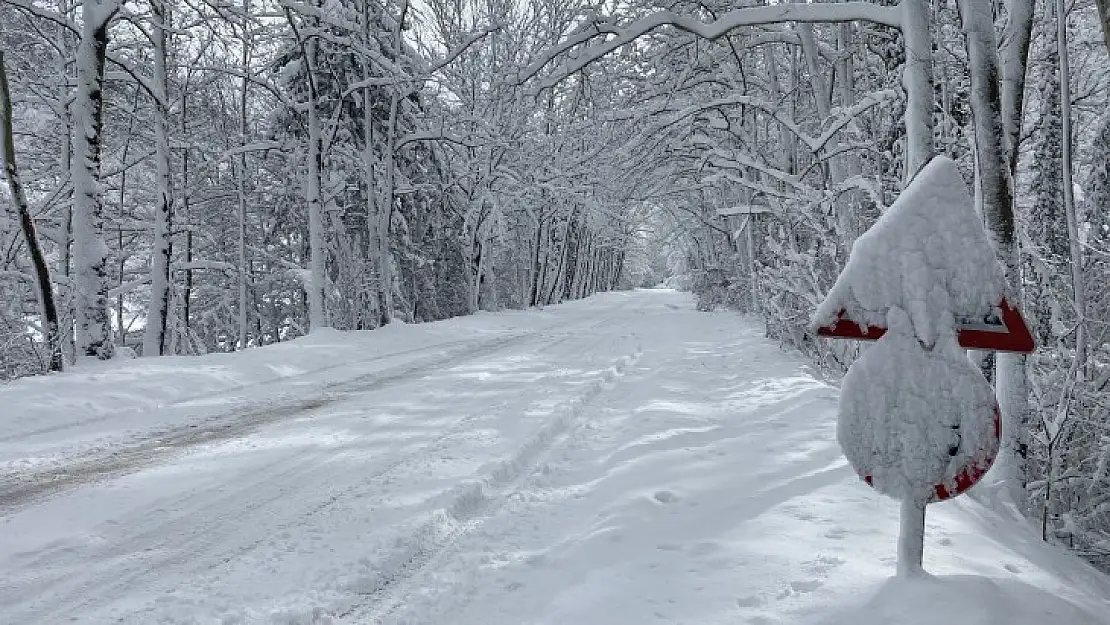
x,y
154,337
582,261
316,251
537,278
574,254
618,269
94,324
477,263
187,295
561,268
66,59
591,276
385,224
241,183
997,193
1014,55
545,261
314,283
1079,296
385,215
918,82
368,163
50,325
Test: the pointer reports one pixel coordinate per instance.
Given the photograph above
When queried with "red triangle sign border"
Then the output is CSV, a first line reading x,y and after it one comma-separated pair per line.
x,y
1014,337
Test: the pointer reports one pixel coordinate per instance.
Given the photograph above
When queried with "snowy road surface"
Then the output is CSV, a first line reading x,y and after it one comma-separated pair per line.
x,y
622,460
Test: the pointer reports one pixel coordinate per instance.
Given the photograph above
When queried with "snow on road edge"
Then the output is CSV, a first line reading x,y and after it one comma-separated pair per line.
x,y
46,421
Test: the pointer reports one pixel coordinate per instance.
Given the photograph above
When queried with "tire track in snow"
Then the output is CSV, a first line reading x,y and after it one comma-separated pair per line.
x,y
195,538
20,488
231,391
381,593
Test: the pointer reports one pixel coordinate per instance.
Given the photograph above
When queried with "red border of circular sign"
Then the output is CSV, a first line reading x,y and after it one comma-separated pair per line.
x,y
970,474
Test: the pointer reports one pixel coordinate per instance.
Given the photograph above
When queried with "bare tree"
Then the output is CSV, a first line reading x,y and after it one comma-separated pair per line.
x,y
50,325
154,337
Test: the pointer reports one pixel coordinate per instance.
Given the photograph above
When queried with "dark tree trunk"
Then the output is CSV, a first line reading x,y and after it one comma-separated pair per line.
x,y
38,259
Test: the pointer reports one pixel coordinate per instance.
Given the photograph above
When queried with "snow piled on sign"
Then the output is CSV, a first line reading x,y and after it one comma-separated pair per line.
x,y
914,412
928,255
911,418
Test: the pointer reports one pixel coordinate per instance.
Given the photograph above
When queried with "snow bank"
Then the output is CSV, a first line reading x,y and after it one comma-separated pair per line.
x,y
965,600
46,419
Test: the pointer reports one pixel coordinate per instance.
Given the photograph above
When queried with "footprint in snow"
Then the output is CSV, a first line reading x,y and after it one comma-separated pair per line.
x,y
804,515
705,548
823,564
800,587
751,601
665,497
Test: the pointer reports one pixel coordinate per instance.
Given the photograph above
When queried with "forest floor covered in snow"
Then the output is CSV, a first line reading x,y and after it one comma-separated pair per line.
x,y
619,460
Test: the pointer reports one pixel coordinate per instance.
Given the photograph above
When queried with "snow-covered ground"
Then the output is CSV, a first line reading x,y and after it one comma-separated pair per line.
x,y
48,420
621,460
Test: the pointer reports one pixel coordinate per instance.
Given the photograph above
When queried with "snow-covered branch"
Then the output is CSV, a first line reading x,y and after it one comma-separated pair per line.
x,y
616,36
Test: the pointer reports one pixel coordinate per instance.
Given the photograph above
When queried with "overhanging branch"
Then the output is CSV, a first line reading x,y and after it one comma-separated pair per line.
x,y
752,16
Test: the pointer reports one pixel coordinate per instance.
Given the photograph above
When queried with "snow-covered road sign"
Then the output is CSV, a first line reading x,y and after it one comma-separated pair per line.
x,y
917,420
1002,329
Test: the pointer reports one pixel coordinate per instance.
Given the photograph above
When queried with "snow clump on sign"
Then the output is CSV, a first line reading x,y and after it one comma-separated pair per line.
x,y
928,254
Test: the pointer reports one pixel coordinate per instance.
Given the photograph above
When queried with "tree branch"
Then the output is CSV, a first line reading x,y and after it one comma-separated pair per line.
x,y
752,16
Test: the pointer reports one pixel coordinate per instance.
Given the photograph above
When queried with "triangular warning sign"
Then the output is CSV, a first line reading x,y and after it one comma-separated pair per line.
x,y
929,256
1002,330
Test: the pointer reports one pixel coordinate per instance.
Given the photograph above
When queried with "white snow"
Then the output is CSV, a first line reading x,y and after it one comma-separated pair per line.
x,y
46,420
621,460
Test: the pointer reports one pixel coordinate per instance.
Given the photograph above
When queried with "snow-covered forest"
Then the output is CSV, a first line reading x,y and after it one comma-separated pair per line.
x,y
186,177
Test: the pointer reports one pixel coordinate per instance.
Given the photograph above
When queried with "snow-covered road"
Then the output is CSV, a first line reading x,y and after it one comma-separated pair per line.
x,y
626,461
